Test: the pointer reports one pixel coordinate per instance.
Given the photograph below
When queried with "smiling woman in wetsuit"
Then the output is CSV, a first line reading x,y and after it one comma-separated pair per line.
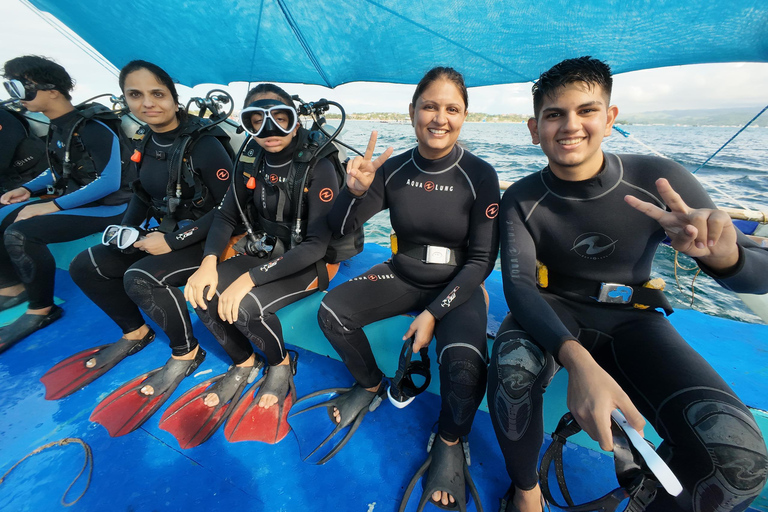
x,y
124,280
238,298
443,203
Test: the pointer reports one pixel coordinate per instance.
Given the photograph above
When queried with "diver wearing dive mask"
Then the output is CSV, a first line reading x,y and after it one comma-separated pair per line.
x,y
25,90
268,118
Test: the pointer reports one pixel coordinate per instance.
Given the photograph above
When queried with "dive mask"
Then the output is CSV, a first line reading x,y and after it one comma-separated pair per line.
x,y
121,237
403,388
268,118
639,469
25,90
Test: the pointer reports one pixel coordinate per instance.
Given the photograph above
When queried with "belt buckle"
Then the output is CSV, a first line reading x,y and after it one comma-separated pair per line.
x,y
437,254
615,293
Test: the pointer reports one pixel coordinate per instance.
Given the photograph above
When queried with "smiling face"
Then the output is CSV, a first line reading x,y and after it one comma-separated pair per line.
x,y
150,101
570,128
273,144
437,117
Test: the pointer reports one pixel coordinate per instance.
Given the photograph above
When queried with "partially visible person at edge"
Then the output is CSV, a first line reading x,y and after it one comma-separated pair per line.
x,y
22,153
146,275
238,298
94,196
592,218
438,195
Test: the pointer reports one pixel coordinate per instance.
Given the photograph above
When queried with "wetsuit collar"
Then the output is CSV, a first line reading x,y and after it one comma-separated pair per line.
x,y
65,119
605,181
439,165
284,156
167,137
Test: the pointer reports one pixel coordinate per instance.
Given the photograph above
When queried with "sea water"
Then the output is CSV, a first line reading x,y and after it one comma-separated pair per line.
x,y
736,177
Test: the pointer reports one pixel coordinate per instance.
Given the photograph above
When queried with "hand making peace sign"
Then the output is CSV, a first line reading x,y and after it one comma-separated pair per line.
x,y
707,234
361,170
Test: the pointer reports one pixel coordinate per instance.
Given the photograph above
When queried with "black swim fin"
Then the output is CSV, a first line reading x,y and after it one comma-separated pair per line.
x,y
127,408
81,369
353,403
449,472
25,325
191,421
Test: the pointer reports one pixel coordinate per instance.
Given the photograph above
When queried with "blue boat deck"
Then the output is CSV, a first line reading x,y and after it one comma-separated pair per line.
x,y
147,471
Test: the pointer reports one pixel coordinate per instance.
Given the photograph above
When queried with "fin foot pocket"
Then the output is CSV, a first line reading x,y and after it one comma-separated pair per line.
x,y
79,370
25,325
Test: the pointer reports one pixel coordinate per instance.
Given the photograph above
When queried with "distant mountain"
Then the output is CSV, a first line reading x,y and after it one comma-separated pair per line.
x,y
698,117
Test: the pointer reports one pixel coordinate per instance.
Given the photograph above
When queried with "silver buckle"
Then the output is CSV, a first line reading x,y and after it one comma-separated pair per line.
x,y
437,254
615,293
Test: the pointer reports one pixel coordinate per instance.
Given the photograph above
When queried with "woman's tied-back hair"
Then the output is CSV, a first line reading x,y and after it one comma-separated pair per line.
x,y
162,76
268,89
592,72
441,73
41,71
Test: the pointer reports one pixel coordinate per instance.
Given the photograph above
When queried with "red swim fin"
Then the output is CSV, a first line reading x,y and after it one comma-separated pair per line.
x,y
191,421
127,408
249,422
81,369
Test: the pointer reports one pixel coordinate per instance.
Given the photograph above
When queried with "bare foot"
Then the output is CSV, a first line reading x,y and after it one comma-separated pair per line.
x,y
337,413
12,291
149,391
528,501
442,496
268,400
133,335
211,400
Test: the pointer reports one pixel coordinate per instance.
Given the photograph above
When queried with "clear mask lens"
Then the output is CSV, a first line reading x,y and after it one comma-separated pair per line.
x,y
275,121
16,90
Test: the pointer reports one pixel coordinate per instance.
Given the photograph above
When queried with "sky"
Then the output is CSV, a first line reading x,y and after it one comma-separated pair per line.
x,y
699,86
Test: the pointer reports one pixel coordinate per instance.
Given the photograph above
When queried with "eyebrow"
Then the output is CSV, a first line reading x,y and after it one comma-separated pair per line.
x,y
132,89
583,105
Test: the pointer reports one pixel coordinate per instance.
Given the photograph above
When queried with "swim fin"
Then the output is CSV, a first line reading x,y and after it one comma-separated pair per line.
x,y
353,403
249,422
81,369
127,408
449,472
191,421
25,325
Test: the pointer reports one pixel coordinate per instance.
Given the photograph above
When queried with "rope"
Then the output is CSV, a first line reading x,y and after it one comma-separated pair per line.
x,y
693,281
646,146
729,140
63,442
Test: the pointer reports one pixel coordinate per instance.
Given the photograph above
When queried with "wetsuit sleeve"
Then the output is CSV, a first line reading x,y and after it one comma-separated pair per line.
x,y
40,183
212,163
136,213
349,211
750,275
518,271
103,147
482,249
11,134
225,218
322,191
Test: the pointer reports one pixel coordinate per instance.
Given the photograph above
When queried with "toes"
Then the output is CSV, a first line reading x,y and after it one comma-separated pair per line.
x,y
437,496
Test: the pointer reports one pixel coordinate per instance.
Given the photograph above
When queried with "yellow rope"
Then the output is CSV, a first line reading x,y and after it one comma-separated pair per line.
x,y
63,442
693,281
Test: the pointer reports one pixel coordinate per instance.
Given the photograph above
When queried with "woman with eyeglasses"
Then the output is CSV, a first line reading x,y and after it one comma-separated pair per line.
x,y
134,270
238,298
86,187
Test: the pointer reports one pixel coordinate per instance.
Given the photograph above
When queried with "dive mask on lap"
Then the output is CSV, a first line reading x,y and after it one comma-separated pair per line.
x,y
403,388
25,90
269,118
639,470
121,237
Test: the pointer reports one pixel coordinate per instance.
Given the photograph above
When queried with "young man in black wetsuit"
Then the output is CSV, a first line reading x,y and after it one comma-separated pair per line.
x,y
593,218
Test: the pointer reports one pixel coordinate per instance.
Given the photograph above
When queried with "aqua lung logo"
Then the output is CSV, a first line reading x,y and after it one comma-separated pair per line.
x,y
446,303
429,186
373,277
222,174
594,246
266,267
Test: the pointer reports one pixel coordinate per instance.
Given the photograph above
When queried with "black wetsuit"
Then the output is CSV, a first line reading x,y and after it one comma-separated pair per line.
x,y
278,281
122,282
585,230
84,208
450,202
22,156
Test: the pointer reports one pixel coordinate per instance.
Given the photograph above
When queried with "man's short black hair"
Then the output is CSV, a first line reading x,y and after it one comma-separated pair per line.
x,y
41,71
592,72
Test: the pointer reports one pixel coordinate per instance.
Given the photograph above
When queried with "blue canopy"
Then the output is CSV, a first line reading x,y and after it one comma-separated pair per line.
x,y
331,42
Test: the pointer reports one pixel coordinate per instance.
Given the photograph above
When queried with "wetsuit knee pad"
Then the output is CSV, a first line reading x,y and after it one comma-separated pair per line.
x,y
465,373
329,322
738,453
15,244
140,290
517,365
